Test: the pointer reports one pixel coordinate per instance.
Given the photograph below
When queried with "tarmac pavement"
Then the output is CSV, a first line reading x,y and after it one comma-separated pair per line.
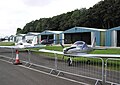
x,y
19,75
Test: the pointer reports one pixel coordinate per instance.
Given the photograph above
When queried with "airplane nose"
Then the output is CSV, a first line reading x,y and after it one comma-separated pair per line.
x,y
64,51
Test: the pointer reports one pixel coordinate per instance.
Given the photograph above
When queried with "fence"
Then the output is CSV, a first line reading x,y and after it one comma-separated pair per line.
x,y
98,69
87,67
112,71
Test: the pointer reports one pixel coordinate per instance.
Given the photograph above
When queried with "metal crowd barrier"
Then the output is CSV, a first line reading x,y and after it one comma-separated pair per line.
x,y
106,70
98,69
91,68
88,67
112,71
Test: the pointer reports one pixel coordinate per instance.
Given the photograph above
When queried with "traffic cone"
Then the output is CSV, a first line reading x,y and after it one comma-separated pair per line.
x,y
17,61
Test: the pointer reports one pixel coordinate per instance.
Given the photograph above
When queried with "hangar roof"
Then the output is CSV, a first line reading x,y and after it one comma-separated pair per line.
x,y
48,32
82,29
115,28
108,38
31,33
12,35
21,35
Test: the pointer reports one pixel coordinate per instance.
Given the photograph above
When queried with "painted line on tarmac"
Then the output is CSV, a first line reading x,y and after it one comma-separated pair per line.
x,y
6,61
47,73
54,75
5,56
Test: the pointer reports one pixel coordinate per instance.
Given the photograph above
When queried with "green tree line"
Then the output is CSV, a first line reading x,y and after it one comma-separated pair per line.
x,y
104,15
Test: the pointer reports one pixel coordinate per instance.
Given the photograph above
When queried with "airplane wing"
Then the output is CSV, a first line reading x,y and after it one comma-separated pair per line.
x,y
21,47
14,47
100,48
36,46
83,54
51,51
95,55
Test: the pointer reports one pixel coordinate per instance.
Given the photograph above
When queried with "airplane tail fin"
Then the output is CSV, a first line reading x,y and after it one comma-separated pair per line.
x,y
34,41
48,38
93,42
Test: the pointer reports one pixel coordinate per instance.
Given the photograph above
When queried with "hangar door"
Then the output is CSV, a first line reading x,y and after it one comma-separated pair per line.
x,y
118,38
46,37
72,37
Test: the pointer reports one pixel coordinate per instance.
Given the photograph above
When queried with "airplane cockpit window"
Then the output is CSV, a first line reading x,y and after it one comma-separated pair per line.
x,y
79,43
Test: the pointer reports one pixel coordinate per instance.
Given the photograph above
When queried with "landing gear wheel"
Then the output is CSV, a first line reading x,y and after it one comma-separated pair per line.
x,y
88,61
69,61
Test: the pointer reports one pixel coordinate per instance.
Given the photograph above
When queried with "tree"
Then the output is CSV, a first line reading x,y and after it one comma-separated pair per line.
x,y
19,31
104,14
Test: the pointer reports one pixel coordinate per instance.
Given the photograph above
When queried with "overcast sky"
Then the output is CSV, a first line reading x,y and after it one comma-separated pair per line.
x,y
16,13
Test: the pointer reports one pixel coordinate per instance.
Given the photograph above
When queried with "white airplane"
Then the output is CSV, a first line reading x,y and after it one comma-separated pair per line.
x,y
79,48
23,44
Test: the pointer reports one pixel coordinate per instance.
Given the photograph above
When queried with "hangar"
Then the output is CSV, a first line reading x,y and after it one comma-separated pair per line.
x,y
84,34
12,38
47,34
19,37
30,35
113,37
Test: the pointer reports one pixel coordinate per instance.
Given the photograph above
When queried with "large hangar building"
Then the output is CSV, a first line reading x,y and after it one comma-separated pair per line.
x,y
30,35
19,37
47,34
12,38
83,34
113,37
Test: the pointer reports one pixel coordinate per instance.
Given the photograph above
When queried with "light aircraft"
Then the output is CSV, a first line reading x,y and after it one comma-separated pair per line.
x,y
79,48
23,44
49,41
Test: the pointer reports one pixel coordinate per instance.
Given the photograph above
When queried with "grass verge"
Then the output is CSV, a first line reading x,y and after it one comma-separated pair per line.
x,y
6,43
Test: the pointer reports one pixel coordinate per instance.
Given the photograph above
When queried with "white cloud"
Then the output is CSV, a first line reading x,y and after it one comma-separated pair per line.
x,y
16,13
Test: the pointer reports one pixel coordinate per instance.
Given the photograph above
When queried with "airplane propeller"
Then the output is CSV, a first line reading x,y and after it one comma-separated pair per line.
x,y
62,45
